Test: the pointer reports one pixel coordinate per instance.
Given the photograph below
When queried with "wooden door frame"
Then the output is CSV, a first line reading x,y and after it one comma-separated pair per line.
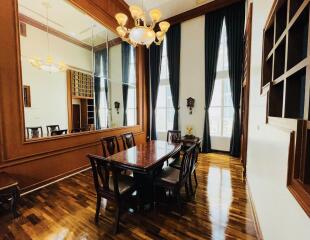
x,y
246,88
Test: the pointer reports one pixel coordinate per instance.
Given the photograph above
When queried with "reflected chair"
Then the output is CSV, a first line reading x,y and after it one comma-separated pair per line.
x,y
174,136
51,128
34,132
59,132
109,145
128,140
173,179
111,185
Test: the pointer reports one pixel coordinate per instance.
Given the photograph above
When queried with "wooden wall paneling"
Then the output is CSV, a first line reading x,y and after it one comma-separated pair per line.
x,y
201,10
43,156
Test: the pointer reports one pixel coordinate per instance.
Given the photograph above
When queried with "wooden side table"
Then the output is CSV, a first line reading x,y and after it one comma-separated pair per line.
x,y
9,190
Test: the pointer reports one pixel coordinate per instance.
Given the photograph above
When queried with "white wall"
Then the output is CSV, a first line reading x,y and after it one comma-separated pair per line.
x,y
49,90
279,214
192,81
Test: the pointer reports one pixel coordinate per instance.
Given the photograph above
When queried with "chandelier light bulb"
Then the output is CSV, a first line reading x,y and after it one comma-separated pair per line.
x,y
164,26
160,35
136,11
155,15
121,19
121,31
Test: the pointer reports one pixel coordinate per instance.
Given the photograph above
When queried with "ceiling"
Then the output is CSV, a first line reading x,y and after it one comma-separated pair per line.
x,y
168,8
67,19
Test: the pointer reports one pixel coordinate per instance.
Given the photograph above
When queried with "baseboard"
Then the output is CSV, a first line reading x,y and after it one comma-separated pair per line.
x,y
53,180
256,222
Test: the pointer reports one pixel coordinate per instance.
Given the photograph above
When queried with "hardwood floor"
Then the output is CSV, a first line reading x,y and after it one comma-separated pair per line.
x,y
65,210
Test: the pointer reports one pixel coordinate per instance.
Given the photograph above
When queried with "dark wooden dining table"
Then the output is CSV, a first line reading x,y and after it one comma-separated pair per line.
x,y
145,160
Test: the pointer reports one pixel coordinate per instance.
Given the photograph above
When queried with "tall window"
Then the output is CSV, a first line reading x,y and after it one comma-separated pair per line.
x,y
221,110
103,105
164,105
132,101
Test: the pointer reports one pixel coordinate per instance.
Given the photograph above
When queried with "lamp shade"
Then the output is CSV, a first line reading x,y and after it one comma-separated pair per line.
x,y
142,35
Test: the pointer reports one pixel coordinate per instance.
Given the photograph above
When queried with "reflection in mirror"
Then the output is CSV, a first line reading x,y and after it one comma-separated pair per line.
x,y
77,75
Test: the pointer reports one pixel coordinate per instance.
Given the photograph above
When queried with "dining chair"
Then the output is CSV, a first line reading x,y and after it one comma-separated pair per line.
x,y
34,132
51,128
194,161
128,140
174,136
109,145
111,185
173,179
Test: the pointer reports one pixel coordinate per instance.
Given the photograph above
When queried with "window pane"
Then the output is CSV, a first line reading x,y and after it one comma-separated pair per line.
x,y
217,94
160,119
227,93
228,121
169,97
161,97
215,121
170,117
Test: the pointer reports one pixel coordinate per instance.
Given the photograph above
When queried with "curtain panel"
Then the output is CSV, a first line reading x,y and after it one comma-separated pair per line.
x,y
173,52
235,21
125,74
213,29
155,57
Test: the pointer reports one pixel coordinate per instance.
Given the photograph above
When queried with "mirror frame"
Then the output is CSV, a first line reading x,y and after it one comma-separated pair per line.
x,y
110,24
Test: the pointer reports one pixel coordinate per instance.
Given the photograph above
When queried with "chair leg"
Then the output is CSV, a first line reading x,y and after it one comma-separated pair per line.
x,y
154,196
98,206
187,191
190,184
179,203
117,217
14,201
195,178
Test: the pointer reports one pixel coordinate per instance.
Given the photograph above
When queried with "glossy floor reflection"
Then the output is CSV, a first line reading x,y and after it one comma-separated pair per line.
x,y
220,210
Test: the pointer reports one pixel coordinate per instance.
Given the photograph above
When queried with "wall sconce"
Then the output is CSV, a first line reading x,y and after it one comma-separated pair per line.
x,y
190,104
117,105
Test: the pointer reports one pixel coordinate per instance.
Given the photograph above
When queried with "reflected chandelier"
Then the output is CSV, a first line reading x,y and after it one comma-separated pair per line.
x,y
142,33
47,64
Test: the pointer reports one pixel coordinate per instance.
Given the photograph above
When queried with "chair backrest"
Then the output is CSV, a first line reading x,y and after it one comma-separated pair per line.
x,y
102,169
34,132
109,146
51,128
59,132
186,163
195,156
128,140
174,136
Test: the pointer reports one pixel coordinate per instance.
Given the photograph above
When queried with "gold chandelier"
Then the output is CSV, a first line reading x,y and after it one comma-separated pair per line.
x,y
47,64
142,33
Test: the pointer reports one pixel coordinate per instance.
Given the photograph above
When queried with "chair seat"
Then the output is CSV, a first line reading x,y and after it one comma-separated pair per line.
x,y
125,183
169,175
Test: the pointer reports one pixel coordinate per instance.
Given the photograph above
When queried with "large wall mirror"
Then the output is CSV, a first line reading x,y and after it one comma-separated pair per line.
x,y
77,75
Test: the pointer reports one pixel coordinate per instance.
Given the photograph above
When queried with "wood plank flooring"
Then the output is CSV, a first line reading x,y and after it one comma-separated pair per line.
x,y
220,210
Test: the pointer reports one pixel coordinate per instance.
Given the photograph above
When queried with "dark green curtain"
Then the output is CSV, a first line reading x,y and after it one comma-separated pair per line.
x,y
235,19
173,52
155,54
213,29
101,73
125,74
